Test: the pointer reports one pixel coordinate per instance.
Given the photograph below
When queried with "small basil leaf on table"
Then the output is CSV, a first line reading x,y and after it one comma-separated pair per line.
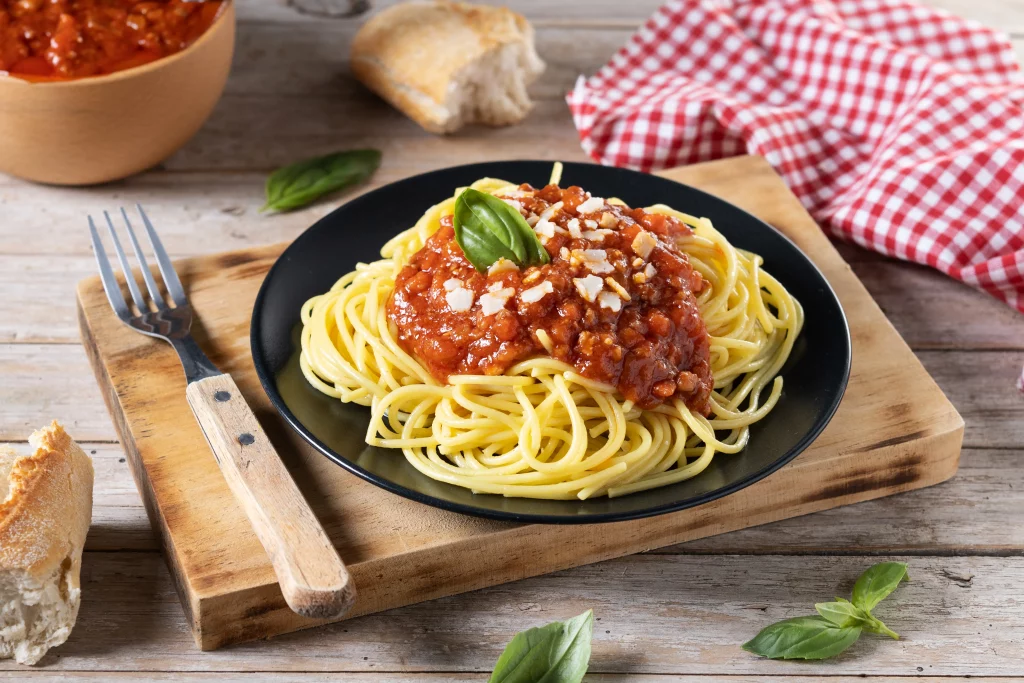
x,y
843,613
875,584
556,653
802,638
486,229
298,184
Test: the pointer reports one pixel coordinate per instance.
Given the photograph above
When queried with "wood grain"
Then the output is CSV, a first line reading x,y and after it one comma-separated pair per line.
x,y
420,550
674,615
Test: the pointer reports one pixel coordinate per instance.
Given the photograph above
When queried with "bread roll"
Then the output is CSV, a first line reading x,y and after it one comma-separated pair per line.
x,y
446,64
45,510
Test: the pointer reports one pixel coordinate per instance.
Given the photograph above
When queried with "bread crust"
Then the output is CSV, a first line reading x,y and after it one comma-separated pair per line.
x,y
46,514
410,54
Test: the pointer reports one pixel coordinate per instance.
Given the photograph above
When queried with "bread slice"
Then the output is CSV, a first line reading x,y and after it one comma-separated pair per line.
x,y
446,64
45,510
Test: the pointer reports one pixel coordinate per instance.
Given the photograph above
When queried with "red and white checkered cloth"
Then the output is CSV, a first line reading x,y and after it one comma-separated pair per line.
x,y
899,127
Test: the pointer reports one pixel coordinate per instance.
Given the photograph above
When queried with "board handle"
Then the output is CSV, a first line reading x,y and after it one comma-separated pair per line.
x,y
313,579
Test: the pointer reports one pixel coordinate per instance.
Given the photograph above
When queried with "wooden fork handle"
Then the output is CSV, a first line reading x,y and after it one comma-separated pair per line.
x,y
313,579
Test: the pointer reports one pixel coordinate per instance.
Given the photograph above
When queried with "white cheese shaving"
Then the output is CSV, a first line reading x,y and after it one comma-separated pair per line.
x,y
545,229
619,289
590,223
574,228
650,271
590,206
644,243
502,265
535,294
452,283
588,286
637,262
459,299
564,253
495,300
514,203
608,220
610,300
532,219
597,235
596,261
550,211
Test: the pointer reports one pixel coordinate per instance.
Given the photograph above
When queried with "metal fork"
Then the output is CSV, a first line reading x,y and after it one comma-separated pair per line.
x,y
313,579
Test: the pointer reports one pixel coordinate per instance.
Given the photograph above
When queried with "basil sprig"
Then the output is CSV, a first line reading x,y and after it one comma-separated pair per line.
x,y
556,653
838,624
487,229
298,184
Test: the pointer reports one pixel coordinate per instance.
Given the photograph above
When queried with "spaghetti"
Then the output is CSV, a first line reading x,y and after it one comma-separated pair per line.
x,y
540,420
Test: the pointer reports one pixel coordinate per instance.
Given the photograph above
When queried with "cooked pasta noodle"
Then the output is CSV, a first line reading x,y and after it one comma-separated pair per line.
x,y
542,429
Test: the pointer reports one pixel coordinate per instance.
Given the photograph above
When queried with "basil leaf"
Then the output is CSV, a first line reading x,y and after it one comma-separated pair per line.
x,y
875,584
802,638
843,613
486,229
875,625
556,653
300,183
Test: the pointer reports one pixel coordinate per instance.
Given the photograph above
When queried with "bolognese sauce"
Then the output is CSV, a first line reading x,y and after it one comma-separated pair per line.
x,y
44,40
617,301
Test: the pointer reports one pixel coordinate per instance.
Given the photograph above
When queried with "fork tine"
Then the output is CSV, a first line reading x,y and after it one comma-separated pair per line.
x,y
110,285
174,287
154,291
133,286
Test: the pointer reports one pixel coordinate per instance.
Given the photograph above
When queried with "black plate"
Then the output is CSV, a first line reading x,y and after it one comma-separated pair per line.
x,y
815,375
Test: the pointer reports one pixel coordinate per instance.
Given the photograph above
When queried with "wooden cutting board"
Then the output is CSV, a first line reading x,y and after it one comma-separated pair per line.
x,y
893,432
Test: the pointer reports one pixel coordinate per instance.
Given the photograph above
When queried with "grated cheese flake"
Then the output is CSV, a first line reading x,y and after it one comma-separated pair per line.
x,y
452,283
502,265
590,206
459,299
644,243
619,289
574,228
610,300
590,223
495,299
596,261
535,294
597,235
608,220
588,286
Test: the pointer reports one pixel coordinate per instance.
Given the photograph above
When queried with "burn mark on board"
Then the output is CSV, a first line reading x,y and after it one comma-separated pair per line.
x,y
893,441
898,474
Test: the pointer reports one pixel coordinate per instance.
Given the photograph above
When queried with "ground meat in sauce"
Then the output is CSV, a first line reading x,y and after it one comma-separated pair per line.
x,y
653,346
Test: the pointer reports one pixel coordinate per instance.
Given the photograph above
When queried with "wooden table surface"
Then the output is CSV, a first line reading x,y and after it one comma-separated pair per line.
x,y
674,614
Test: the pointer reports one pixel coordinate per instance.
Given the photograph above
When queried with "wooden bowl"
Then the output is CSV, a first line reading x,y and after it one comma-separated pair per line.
x,y
104,128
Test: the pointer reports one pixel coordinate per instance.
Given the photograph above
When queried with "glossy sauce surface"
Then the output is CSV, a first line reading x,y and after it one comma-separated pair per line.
x,y
642,332
43,40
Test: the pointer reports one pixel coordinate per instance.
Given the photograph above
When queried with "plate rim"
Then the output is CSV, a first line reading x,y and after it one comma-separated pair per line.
x,y
259,358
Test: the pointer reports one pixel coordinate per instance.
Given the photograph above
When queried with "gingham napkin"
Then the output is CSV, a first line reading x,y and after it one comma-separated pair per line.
x,y
898,126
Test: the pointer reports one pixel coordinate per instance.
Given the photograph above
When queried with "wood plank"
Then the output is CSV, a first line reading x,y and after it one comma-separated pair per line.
x,y
974,513
933,311
655,614
909,295
983,386
1006,15
345,677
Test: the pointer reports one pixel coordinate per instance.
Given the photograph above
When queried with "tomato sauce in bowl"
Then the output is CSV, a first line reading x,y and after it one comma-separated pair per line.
x,y
57,40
